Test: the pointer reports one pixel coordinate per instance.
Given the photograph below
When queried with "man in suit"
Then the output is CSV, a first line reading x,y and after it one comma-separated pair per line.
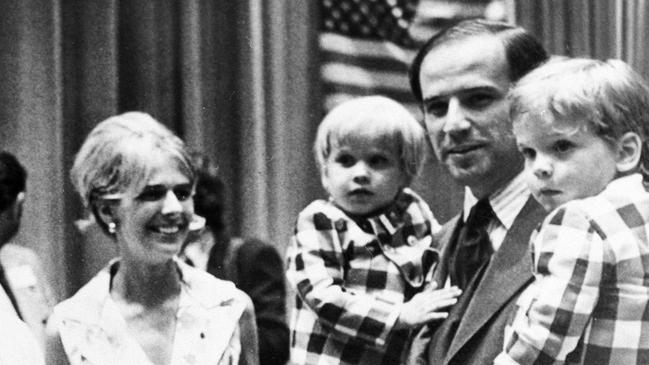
x,y
461,76
24,291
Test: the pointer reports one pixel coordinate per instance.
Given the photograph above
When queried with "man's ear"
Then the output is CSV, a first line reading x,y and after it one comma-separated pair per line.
x,y
629,150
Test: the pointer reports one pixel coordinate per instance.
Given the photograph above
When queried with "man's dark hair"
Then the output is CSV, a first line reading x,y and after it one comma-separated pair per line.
x,y
12,179
522,50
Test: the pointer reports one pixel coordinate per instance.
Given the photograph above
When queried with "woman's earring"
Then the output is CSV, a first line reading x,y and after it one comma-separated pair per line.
x,y
112,227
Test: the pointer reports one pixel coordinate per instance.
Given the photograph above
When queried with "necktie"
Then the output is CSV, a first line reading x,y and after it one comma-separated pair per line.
x,y
473,248
5,286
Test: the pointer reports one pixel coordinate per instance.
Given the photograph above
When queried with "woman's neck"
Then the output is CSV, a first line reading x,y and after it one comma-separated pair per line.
x,y
146,284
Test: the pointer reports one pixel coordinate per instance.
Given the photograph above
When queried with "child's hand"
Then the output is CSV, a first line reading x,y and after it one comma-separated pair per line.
x,y
424,307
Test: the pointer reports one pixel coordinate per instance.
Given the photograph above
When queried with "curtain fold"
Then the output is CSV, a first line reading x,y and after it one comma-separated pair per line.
x,y
230,77
599,29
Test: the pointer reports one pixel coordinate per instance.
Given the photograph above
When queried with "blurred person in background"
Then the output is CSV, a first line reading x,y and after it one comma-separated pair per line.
x,y
25,290
253,265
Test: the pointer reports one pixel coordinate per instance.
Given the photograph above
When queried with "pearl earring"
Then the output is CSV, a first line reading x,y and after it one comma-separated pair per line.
x,y
112,227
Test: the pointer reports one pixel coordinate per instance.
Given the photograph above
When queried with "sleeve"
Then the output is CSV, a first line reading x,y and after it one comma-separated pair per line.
x,y
261,276
570,256
316,273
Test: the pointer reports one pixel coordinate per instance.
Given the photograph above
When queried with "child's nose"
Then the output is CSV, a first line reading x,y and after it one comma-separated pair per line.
x,y
542,167
361,173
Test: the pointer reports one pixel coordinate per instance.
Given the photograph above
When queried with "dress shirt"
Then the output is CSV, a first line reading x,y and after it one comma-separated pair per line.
x,y
506,204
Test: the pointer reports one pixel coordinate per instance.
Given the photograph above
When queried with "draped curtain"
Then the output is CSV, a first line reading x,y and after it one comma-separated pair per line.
x,y
232,78
590,28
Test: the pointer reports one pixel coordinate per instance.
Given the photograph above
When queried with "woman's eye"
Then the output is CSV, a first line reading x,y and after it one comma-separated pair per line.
x,y
183,193
152,193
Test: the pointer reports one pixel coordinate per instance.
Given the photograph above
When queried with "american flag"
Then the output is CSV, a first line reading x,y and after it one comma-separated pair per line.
x,y
367,45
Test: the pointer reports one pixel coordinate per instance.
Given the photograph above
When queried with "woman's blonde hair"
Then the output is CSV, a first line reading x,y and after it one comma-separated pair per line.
x,y
116,156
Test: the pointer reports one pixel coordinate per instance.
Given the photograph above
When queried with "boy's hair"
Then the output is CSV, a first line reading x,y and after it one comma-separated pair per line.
x,y
12,179
374,118
611,97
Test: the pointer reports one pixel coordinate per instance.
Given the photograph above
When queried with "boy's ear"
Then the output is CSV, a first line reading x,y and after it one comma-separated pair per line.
x,y
629,149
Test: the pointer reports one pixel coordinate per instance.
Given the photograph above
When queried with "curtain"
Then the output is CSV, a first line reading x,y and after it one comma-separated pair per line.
x,y
590,28
232,78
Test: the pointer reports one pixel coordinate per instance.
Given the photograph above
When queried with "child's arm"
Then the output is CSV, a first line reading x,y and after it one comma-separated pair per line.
x,y
316,272
569,258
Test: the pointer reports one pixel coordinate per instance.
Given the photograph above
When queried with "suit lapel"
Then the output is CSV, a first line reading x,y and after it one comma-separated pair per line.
x,y
508,272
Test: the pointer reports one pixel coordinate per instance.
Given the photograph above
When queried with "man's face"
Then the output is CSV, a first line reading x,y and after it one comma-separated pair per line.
x,y
464,86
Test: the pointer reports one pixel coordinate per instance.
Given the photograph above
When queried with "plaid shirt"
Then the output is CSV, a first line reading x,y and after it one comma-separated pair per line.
x,y
589,303
351,278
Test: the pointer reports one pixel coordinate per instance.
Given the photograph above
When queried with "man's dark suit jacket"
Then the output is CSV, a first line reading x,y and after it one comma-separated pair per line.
x,y
479,334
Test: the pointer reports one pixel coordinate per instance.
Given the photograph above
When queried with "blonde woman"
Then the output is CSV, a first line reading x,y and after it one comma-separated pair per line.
x,y
146,307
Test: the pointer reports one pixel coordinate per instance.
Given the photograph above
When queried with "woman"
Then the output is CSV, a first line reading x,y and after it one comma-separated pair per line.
x,y
147,307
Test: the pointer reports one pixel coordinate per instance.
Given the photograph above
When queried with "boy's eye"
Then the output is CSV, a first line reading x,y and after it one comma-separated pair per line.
x,y
379,161
345,160
528,153
563,146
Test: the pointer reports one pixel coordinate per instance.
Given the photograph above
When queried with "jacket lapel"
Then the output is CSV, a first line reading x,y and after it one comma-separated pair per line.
x,y
509,271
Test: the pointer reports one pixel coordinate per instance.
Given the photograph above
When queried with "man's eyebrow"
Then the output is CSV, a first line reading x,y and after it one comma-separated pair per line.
x,y
471,90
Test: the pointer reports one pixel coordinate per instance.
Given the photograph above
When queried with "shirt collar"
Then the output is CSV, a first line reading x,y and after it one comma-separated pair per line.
x,y
626,185
506,202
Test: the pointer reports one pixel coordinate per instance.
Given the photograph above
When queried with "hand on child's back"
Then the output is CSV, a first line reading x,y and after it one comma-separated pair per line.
x,y
426,306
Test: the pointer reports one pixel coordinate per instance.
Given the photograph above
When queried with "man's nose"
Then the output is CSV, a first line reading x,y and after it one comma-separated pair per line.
x,y
456,119
171,204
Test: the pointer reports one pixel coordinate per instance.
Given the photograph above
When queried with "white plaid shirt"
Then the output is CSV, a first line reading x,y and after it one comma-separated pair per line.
x,y
589,303
351,278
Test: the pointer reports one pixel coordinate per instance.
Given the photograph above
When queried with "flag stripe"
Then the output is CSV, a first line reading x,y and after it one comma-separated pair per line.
x,y
364,48
400,95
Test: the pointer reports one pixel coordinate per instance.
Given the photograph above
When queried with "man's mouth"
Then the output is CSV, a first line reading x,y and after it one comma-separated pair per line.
x,y
463,148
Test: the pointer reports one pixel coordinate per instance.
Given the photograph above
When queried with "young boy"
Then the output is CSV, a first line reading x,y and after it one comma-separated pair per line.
x,y
357,259
582,127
